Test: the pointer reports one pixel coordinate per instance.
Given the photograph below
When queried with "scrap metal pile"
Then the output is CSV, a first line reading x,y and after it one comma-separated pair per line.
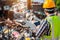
x,y
12,30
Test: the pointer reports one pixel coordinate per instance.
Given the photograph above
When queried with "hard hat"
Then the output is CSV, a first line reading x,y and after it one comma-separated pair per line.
x,y
48,4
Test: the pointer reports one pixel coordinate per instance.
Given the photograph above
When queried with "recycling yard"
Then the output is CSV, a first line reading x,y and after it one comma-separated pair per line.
x,y
29,19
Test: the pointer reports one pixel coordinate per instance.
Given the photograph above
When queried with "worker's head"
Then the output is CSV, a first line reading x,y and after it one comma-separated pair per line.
x,y
49,11
49,7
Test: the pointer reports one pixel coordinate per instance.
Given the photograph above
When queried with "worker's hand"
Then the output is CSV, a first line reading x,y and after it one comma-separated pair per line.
x,y
38,27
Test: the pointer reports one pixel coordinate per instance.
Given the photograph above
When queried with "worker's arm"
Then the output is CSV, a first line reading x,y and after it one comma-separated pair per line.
x,y
43,27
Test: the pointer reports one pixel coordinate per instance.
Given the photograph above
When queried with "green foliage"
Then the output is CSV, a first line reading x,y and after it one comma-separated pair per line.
x,y
57,4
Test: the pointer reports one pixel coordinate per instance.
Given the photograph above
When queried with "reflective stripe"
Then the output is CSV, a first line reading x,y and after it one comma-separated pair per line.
x,y
52,27
41,29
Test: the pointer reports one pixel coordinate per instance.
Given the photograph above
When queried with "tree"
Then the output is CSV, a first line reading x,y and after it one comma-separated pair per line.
x,y
57,4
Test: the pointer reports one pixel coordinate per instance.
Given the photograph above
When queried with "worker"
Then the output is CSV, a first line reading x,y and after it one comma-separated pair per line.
x,y
51,25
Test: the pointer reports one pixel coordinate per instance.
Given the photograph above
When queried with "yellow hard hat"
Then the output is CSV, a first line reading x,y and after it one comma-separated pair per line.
x,y
48,4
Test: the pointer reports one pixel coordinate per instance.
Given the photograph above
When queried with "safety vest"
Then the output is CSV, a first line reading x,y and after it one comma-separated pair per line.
x,y
55,26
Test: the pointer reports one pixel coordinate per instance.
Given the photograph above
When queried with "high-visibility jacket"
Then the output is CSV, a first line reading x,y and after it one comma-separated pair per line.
x,y
55,26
